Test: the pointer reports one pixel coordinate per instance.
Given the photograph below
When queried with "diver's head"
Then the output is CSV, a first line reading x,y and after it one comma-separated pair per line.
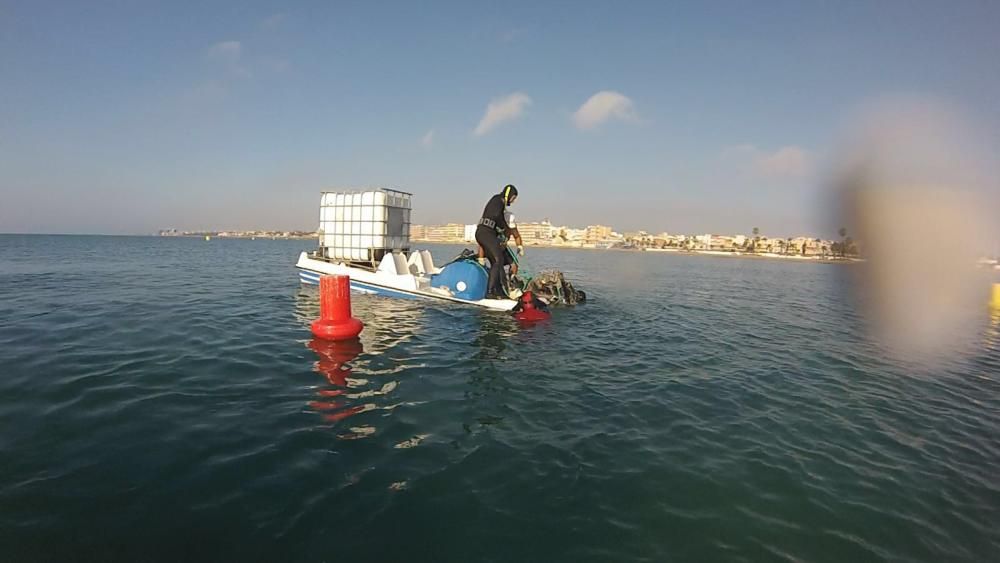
x,y
509,194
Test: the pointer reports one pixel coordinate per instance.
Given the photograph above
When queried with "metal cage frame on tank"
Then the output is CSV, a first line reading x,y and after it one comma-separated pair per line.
x,y
354,221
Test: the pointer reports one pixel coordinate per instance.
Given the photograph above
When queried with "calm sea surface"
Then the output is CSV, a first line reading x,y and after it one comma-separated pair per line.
x,y
162,399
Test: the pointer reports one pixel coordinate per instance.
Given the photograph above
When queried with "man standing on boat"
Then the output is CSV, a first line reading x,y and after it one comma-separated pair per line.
x,y
509,259
491,224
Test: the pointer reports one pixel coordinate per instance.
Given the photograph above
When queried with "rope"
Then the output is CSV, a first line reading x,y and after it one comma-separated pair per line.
x,y
523,271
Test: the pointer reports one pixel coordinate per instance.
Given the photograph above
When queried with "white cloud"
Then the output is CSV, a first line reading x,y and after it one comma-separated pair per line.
x,y
500,110
603,106
226,52
427,141
786,162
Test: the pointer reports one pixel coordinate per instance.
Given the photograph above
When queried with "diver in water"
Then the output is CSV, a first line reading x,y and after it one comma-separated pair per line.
x,y
491,224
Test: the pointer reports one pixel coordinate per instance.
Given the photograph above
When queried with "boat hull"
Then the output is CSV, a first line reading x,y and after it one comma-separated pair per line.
x,y
388,284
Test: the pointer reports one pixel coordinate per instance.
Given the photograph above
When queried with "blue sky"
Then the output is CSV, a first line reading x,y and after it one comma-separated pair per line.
x,y
127,117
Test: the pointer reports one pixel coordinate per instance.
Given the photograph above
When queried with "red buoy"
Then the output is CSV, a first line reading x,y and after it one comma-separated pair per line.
x,y
335,321
527,310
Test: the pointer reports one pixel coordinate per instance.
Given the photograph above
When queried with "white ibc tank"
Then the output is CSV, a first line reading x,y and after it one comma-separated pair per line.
x,y
364,225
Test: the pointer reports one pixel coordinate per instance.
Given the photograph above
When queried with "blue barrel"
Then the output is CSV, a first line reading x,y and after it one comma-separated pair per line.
x,y
464,279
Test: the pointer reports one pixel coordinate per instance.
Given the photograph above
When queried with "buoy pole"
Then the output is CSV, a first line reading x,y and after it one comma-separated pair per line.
x,y
335,321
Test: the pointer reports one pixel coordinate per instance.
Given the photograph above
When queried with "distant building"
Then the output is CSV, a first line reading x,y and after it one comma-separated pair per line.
x,y
571,236
452,232
537,233
596,233
807,246
418,232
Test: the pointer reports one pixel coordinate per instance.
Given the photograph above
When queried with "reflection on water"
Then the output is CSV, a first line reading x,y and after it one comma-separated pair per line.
x,y
337,401
993,331
397,335
306,305
346,394
333,359
492,336
355,371
412,442
489,385
402,336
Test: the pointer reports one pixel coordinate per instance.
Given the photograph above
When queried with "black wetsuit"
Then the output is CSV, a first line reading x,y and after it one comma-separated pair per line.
x,y
486,236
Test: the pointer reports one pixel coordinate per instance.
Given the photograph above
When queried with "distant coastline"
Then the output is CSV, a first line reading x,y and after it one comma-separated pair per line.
x,y
239,234
822,259
544,233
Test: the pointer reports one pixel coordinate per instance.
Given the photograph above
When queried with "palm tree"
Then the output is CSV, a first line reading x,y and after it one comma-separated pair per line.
x,y
756,238
843,246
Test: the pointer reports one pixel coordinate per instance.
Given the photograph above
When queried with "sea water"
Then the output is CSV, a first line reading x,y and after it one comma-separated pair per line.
x,y
163,399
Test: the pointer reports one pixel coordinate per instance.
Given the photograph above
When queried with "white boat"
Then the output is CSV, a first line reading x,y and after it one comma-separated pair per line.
x,y
398,276
365,235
